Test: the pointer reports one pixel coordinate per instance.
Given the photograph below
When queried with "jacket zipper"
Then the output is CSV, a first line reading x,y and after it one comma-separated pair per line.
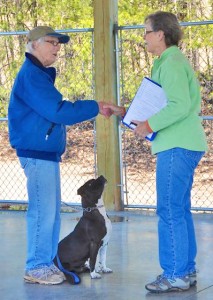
x,y
49,131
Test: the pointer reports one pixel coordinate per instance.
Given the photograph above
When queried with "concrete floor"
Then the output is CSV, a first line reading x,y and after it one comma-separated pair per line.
x,y
132,254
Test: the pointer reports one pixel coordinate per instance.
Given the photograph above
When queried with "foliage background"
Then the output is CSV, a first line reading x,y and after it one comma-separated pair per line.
x,y
75,78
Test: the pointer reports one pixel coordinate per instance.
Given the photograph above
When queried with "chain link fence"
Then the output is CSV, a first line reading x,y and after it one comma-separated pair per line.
x,y
134,63
75,81
139,173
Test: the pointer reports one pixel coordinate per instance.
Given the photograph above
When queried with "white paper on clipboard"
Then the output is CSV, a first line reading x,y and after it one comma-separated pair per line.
x,y
149,99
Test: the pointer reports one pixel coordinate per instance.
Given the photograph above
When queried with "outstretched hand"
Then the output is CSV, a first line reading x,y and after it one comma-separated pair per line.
x,y
116,110
108,109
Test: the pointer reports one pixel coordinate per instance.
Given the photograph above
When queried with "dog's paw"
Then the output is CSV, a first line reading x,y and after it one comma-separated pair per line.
x,y
101,269
106,270
95,275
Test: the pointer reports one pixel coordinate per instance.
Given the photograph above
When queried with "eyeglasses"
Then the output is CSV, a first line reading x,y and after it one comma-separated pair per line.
x,y
148,31
54,43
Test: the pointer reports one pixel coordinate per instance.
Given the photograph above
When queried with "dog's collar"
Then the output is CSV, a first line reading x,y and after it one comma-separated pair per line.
x,y
90,209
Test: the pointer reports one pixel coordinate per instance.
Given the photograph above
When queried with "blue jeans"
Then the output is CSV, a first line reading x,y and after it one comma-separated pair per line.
x,y
177,242
43,215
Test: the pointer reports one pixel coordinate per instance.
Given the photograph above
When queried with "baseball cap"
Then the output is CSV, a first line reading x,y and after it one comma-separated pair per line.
x,y
42,31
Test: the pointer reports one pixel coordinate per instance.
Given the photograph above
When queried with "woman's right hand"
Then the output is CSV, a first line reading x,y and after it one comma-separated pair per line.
x,y
108,109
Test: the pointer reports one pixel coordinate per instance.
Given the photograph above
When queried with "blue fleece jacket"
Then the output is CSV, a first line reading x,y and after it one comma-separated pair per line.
x,y
38,115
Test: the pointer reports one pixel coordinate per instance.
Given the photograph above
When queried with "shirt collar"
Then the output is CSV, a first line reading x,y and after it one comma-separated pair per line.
x,y
34,59
50,70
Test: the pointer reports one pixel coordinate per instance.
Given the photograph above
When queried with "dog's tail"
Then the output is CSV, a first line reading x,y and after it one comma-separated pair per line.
x,y
71,277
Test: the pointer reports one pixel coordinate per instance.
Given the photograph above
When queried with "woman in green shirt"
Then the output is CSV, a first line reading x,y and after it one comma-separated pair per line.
x,y
179,146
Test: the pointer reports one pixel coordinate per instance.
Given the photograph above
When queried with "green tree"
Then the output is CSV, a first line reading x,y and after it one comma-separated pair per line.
x,y
75,71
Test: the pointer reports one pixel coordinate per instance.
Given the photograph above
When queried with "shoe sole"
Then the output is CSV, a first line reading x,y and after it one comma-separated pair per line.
x,y
169,290
29,279
177,289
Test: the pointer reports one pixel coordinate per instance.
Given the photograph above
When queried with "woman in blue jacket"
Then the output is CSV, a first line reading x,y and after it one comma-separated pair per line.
x,y
37,118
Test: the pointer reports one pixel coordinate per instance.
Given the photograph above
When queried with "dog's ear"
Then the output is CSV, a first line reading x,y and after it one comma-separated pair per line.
x,y
80,191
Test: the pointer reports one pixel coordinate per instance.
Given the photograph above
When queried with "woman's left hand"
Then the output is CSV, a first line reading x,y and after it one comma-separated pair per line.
x,y
141,130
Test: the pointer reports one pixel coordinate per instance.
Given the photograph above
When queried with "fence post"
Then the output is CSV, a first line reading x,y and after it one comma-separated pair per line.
x,y
108,160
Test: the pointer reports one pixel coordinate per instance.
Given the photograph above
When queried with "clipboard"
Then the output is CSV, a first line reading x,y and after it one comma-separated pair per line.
x,y
149,99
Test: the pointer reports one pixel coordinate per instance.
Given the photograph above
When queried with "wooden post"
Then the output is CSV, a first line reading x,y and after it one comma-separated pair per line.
x,y
108,156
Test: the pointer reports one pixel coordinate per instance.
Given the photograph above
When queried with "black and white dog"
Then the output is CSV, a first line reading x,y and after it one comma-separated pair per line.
x,y
86,246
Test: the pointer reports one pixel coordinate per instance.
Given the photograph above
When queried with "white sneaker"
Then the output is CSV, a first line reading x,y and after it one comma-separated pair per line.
x,y
57,271
163,285
44,275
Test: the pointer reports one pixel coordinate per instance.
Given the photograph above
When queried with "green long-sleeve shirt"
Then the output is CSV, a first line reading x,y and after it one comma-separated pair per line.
x,y
179,123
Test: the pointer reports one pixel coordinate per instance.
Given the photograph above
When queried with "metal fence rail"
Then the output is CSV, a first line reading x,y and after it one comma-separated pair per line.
x,y
139,173
133,63
75,81
79,161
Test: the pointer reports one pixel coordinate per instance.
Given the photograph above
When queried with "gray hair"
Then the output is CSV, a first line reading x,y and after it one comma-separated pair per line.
x,y
30,45
168,23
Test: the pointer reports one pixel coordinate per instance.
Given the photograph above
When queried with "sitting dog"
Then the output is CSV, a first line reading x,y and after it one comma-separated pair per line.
x,y
79,251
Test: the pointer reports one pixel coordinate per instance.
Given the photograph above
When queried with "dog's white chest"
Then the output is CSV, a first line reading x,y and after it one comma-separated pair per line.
x,y
108,223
